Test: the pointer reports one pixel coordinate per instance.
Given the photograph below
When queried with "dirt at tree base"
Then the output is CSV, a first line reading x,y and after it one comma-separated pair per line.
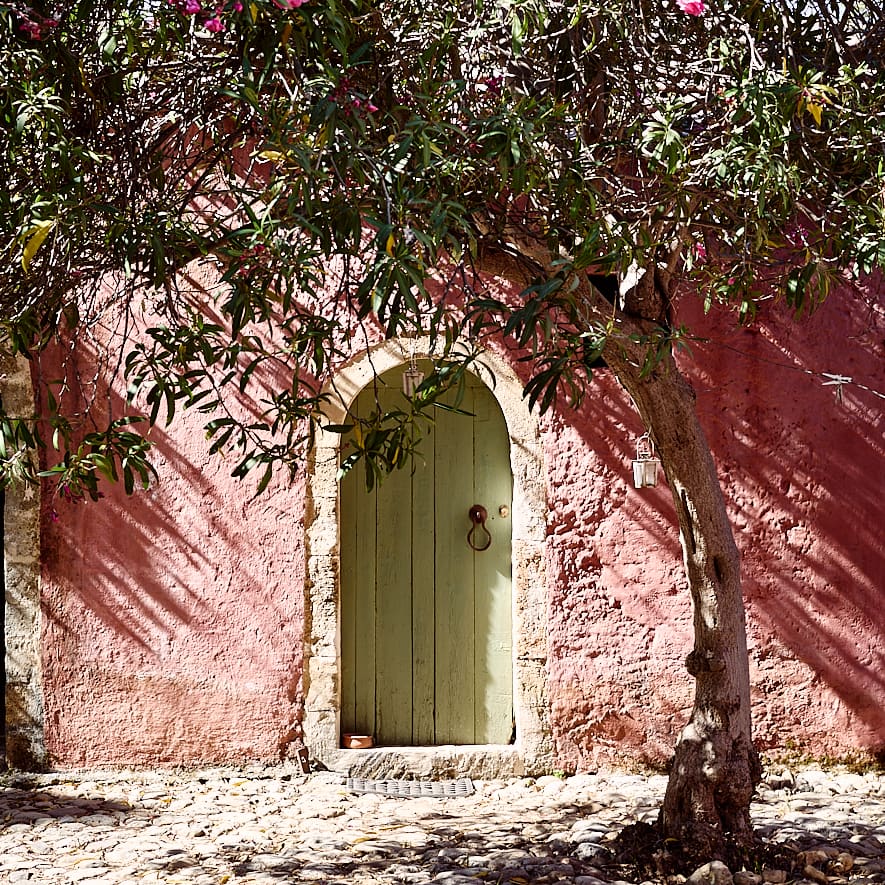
x,y
641,854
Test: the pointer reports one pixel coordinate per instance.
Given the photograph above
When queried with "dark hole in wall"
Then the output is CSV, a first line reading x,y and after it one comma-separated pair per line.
x,y
607,285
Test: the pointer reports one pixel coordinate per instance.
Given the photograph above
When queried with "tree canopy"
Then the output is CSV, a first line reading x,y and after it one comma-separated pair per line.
x,y
354,169
735,149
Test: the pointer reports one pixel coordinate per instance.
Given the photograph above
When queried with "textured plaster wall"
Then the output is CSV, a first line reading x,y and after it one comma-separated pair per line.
x,y
804,470
173,622
803,476
620,618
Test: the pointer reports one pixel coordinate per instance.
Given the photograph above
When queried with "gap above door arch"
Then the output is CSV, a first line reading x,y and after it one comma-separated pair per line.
x,y
321,673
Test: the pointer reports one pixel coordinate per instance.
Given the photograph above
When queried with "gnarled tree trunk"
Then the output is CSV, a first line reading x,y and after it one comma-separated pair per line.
x,y
715,768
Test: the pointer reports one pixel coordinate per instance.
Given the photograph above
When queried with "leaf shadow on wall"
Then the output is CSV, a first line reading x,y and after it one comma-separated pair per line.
x,y
189,593
801,467
802,474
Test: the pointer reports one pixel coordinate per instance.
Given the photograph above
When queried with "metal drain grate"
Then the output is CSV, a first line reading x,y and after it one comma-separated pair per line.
x,y
409,789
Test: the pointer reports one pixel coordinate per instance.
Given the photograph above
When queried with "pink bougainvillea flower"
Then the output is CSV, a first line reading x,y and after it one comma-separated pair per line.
x,y
289,4
192,7
214,24
32,29
493,84
691,7
238,7
371,108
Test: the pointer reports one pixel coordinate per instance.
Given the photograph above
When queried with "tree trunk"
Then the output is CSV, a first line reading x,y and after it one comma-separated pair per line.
x,y
715,768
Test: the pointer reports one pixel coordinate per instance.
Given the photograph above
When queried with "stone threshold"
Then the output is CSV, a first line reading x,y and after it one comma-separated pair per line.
x,y
481,762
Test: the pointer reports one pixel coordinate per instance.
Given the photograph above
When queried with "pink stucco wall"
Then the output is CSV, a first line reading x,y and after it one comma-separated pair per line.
x,y
803,474
173,621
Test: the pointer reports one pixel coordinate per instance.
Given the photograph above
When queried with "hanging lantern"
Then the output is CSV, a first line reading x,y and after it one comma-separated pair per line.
x,y
645,467
412,377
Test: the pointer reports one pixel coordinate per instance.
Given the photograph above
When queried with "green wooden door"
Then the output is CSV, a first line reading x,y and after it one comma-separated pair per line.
x,y
425,620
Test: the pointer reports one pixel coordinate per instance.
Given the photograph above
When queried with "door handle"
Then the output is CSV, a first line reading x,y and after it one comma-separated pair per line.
x,y
478,516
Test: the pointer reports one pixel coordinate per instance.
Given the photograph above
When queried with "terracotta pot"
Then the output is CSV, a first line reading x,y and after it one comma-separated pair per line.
x,y
357,741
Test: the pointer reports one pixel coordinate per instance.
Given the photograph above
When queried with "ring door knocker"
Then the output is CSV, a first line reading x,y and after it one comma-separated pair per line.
x,y
478,516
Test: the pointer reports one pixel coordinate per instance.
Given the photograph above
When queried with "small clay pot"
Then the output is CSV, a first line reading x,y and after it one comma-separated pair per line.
x,y
357,741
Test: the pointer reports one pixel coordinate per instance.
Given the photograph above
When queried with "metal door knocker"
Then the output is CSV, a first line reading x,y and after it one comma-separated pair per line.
x,y
478,516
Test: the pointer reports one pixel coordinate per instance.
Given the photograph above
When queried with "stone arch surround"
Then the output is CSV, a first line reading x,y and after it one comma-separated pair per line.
x,y
533,751
25,746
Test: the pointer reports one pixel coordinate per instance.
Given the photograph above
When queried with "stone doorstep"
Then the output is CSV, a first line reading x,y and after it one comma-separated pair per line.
x,y
480,762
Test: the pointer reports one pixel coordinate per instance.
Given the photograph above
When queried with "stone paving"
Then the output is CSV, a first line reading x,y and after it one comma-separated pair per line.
x,y
275,825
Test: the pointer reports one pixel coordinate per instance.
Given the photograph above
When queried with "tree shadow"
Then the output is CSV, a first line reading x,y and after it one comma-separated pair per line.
x,y
181,604
801,468
528,845
22,802
455,844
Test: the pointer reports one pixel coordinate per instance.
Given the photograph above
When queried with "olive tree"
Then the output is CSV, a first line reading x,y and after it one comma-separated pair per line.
x,y
348,165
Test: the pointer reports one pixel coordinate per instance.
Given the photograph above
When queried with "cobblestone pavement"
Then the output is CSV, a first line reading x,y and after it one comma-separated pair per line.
x,y
273,826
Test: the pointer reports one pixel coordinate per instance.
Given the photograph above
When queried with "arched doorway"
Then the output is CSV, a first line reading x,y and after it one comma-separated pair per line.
x,y
321,674
426,636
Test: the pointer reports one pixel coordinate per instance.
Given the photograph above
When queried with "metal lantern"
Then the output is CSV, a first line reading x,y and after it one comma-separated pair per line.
x,y
412,377
645,467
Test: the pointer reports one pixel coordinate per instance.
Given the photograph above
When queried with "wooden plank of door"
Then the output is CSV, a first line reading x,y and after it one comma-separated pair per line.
x,y
349,571
492,571
454,578
423,591
393,603
363,507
